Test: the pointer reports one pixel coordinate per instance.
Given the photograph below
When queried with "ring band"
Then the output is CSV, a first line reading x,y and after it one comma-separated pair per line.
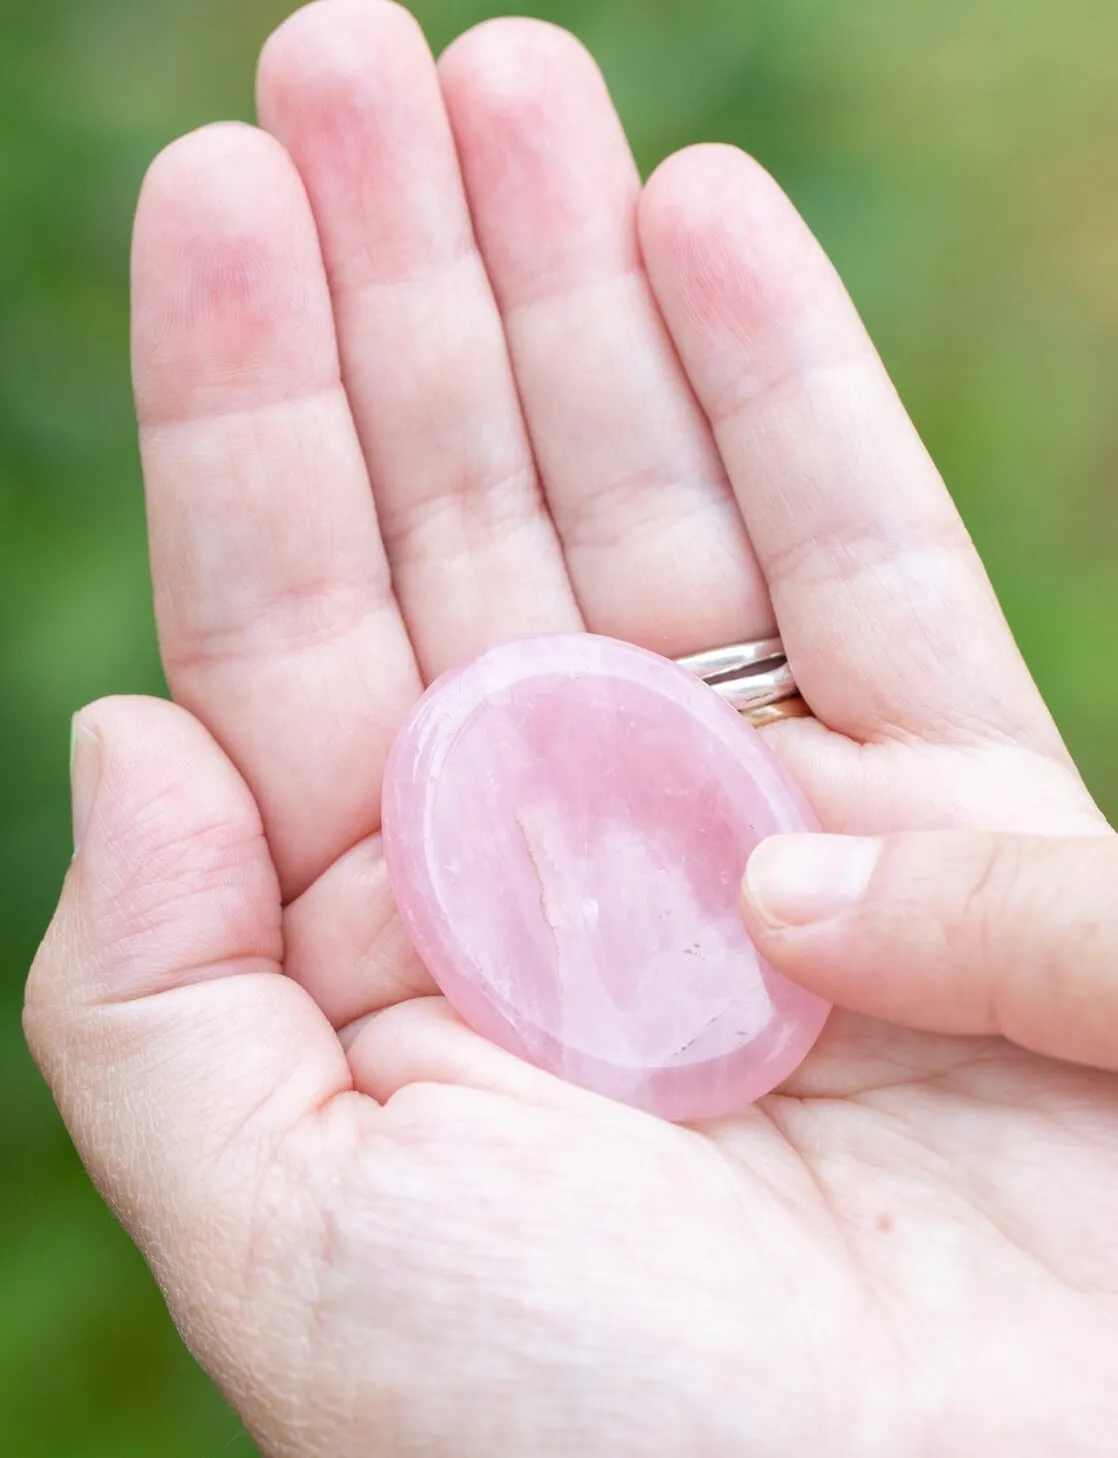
x,y
735,658
754,678
796,707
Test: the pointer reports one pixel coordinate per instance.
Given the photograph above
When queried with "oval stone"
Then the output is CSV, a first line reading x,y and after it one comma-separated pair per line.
x,y
566,823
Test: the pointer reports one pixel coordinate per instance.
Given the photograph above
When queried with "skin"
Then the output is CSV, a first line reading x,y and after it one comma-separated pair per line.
x,y
420,366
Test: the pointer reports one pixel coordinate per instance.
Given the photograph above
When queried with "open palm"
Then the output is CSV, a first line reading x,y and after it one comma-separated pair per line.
x,y
422,370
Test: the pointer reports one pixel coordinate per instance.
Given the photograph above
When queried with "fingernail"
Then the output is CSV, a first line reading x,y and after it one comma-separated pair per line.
x,y
794,880
85,769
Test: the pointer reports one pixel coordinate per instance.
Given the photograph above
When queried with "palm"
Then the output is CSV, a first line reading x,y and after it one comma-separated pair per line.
x,y
665,440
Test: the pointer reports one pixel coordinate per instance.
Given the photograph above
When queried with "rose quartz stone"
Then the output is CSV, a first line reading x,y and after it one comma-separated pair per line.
x,y
566,823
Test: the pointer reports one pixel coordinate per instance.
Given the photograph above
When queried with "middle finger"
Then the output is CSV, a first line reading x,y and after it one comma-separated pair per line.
x,y
351,90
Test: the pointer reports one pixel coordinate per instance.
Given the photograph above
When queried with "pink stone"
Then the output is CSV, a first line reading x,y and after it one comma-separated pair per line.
x,y
566,823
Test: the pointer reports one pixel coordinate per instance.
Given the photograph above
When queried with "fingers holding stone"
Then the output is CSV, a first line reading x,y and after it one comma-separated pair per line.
x,y
423,1041
345,943
1012,936
352,91
890,622
653,537
277,620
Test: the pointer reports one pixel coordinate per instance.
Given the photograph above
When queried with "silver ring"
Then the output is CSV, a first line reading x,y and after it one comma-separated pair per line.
x,y
753,678
735,658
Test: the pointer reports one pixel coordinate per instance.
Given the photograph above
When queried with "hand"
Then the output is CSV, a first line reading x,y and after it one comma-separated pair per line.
x,y
406,388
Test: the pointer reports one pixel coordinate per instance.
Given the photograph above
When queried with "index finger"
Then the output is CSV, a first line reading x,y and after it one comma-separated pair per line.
x,y
278,623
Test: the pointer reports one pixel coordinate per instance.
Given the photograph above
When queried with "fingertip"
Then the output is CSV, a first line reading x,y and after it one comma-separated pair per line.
x,y
172,880
803,880
227,281
691,177
351,89
217,175
704,193
746,288
327,56
509,58
550,174
423,1041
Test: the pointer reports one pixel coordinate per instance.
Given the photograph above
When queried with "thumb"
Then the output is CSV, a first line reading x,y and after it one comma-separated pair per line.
x,y
178,1053
953,933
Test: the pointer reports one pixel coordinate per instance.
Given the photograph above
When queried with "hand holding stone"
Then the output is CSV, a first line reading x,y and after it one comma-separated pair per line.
x,y
420,368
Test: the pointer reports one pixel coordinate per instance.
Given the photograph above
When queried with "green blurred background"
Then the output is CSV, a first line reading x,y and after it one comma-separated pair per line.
x,y
959,159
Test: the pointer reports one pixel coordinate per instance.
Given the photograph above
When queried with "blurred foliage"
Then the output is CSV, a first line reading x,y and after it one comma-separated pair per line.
x,y
959,161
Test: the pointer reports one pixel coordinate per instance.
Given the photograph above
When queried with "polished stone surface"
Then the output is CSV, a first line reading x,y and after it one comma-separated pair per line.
x,y
566,824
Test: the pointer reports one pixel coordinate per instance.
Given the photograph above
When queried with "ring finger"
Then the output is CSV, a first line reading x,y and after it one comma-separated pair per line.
x,y
653,537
